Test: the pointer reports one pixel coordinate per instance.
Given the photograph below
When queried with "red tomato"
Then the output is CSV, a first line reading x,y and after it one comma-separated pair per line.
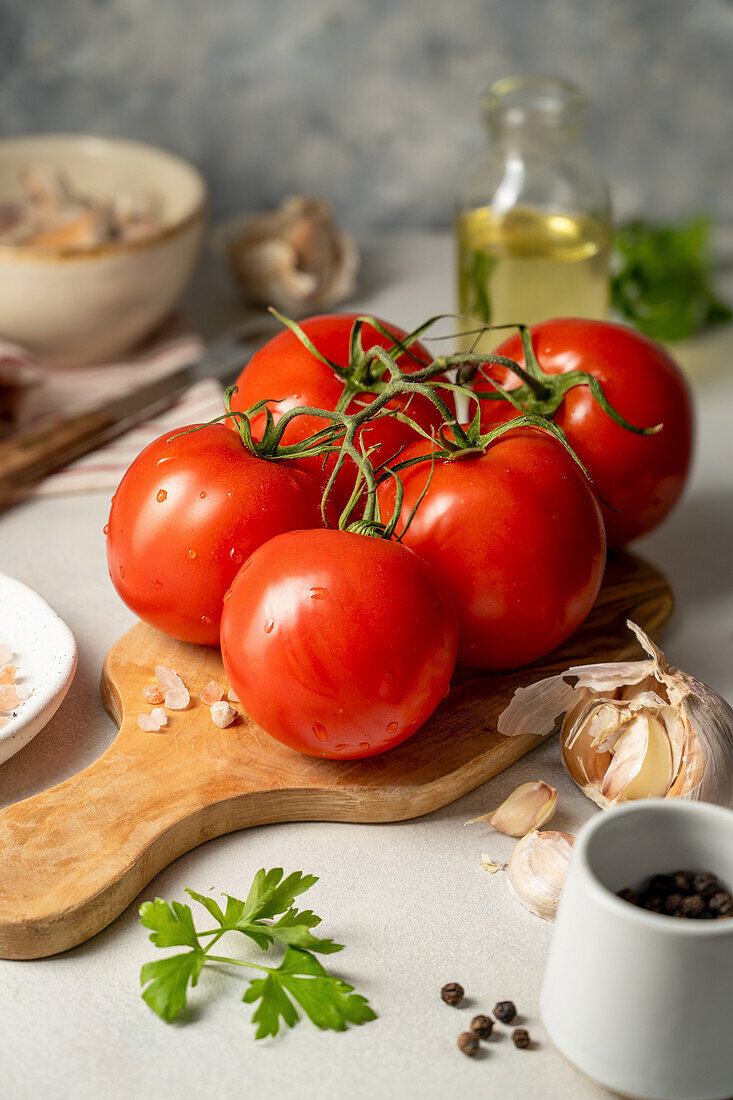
x,y
186,515
338,644
287,372
516,537
641,477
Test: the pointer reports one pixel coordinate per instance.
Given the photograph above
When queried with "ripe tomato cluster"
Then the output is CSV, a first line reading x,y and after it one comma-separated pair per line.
x,y
483,543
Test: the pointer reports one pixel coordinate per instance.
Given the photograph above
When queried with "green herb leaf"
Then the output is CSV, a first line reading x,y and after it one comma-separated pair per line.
x,y
663,284
267,917
294,928
270,894
172,924
169,979
327,1001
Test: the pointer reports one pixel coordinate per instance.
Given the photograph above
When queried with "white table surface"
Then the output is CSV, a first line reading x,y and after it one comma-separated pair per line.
x,y
409,900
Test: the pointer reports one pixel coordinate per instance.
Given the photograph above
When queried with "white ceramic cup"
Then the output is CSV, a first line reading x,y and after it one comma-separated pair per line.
x,y
641,1002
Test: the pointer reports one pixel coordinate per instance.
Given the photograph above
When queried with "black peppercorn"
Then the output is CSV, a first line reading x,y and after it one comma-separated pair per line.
x,y
692,906
652,902
468,1042
629,895
721,904
661,884
706,884
481,1026
520,1037
452,993
505,1011
683,881
672,903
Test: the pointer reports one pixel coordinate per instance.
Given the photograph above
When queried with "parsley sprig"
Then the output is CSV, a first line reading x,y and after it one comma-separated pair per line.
x,y
664,279
266,917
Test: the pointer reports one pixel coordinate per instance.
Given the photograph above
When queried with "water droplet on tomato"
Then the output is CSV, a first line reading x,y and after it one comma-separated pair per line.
x,y
269,626
340,748
236,555
364,745
202,495
227,595
161,495
317,593
206,619
320,731
165,458
105,529
122,572
392,727
157,583
192,554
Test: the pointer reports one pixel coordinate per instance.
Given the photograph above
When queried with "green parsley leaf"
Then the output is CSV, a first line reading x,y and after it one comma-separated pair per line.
x,y
269,896
267,917
172,924
328,1001
664,281
169,979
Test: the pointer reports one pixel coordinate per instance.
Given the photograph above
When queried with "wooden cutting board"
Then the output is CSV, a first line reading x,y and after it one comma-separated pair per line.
x,y
72,858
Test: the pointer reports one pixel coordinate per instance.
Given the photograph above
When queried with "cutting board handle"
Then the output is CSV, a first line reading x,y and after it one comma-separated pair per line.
x,y
72,858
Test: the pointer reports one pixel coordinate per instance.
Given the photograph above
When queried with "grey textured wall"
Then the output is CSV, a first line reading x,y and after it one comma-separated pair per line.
x,y
373,102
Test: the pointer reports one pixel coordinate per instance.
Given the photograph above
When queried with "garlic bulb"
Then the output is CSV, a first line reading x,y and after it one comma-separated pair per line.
x,y
633,729
537,871
526,808
295,258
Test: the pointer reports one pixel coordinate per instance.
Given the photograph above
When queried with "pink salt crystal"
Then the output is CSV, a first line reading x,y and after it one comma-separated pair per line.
x,y
159,715
9,697
7,674
222,714
177,699
233,697
154,693
6,654
176,693
148,723
167,676
212,693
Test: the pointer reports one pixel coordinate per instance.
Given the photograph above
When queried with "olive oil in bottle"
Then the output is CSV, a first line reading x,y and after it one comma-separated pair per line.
x,y
528,265
533,222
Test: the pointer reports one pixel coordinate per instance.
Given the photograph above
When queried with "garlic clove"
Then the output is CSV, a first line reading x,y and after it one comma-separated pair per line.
x,y
537,871
526,808
641,765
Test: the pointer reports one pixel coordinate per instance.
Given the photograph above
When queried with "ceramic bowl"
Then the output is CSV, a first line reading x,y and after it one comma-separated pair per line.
x,y
45,655
71,308
640,1002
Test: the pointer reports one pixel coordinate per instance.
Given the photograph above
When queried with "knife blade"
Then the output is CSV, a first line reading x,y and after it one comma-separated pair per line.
x,y
53,442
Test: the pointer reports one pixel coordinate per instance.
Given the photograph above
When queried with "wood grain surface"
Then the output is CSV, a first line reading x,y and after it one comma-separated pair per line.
x,y
73,857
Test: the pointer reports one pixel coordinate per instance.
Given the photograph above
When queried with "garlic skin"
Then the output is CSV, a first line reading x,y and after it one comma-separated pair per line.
x,y
487,864
527,808
633,729
537,870
295,258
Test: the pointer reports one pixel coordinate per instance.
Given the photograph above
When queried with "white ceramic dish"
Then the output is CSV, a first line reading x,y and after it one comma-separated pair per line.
x,y
71,308
640,1002
45,653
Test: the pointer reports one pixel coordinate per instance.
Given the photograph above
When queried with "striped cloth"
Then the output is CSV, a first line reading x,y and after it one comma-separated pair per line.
x,y
70,391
